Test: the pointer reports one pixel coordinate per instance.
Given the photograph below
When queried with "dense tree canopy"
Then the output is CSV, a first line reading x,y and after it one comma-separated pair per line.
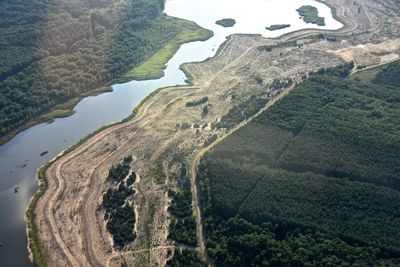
x,y
313,181
53,51
186,258
390,75
183,225
118,210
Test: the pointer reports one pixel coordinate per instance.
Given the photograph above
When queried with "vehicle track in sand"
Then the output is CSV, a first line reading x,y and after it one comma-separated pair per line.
x,y
67,214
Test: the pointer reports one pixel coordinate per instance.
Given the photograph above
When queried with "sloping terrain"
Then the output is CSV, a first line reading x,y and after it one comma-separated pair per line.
x,y
322,164
175,126
58,51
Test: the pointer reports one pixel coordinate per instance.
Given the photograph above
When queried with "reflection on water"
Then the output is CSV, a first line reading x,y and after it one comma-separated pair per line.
x,y
252,16
20,158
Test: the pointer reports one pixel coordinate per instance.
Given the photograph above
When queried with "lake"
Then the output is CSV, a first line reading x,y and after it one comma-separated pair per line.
x,y
21,157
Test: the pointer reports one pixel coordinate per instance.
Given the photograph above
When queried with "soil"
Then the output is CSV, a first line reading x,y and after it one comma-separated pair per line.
x,y
70,223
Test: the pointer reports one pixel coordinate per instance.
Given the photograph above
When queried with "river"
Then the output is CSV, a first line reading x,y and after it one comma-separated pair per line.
x,y
21,157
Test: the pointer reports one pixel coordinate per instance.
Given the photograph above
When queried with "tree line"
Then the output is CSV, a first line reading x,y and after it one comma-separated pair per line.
x,y
54,51
313,181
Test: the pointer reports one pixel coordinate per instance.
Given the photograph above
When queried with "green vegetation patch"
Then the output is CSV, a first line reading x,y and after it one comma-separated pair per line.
x,y
186,258
153,68
390,75
275,27
120,224
197,102
35,248
113,198
366,75
238,242
56,51
121,170
226,22
352,210
313,181
245,108
183,224
118,212
309,14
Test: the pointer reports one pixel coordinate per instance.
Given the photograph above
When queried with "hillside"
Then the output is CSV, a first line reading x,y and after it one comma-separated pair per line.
x,y
58,51
312,181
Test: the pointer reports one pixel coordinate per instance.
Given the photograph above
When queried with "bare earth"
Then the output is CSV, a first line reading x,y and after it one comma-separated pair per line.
x,y
71,225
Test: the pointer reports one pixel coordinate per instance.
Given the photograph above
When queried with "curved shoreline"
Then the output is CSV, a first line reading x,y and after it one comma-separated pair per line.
x,y
66,109
34,243
34,247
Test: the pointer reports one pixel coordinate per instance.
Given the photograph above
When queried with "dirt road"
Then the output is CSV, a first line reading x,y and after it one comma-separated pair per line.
x,y
71,226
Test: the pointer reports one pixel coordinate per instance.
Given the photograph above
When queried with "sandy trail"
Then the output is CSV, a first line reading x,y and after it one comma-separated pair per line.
x,y
70,224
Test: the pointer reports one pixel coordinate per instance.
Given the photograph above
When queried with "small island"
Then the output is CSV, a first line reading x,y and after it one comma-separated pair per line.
x,y
309,14
275,27
226,22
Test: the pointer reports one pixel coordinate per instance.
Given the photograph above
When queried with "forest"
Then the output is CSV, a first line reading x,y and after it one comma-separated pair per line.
x,y
390,75
182,228
56,51
313,181
118,211
186,258
241,111
120,171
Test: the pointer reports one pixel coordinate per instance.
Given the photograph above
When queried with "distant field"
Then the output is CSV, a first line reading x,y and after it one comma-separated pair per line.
x,y
366,75
322,166
369,74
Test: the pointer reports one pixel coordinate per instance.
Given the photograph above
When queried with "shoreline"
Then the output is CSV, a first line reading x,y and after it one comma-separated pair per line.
x,y
35,250
153,67
66,109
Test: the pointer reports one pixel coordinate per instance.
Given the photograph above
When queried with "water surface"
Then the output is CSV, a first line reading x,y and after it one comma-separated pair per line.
x,y
20,157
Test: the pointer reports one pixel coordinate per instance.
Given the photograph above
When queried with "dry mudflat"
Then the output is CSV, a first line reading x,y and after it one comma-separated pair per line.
x,y
164,133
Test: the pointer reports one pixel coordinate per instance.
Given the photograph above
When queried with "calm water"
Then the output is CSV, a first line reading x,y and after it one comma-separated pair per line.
x,y
20,158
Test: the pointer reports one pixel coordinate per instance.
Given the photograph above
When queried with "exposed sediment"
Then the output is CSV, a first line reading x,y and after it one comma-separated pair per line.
x,y
71,228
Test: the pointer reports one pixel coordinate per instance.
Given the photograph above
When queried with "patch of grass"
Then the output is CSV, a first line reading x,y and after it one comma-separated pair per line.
x,y
368,75
153,68
58,113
